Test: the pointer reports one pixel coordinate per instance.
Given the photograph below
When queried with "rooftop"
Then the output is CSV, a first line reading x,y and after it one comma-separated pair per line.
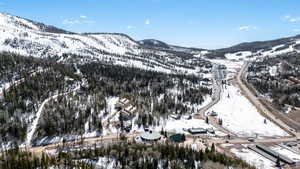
x,y
150,136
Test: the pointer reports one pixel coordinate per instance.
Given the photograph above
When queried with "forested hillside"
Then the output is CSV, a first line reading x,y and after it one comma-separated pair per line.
x,y
42,99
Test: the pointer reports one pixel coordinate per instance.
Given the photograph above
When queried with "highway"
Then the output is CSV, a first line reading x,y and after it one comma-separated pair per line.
x,y
217,91
256,102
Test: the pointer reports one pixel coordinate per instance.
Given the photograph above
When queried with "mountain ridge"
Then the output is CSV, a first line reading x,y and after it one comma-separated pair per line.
x,y
27,37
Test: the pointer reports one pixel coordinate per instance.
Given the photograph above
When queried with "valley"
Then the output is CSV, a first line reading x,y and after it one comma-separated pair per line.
x,y
91,100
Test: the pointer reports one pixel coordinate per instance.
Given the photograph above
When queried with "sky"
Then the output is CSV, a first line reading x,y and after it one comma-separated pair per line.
x,y
193,23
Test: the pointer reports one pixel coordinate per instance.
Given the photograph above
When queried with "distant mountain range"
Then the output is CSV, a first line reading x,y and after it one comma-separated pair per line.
x,y
36,39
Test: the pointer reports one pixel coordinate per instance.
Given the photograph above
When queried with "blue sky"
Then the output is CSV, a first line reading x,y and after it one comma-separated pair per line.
x,y
196,23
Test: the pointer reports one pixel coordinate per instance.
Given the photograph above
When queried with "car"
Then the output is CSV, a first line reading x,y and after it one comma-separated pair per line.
x,y
251,139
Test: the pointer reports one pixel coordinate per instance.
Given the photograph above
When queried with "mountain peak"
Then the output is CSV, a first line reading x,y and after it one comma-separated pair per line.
x,y
154,43
15,22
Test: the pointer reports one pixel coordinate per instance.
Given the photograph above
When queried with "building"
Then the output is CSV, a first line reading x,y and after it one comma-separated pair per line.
x,y
177,138
150,136
271,155
195,131
213,113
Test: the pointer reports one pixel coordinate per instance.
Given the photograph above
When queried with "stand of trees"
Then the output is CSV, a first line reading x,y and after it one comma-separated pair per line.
x,y
32,81
17,159
157,156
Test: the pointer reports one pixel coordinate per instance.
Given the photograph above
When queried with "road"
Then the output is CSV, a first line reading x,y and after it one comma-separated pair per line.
x,y
115,138
216,95
216,90
191,140
86,141
256,102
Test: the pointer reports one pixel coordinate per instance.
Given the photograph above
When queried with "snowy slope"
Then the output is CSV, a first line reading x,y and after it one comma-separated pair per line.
x,y
257,49
27,37
242,118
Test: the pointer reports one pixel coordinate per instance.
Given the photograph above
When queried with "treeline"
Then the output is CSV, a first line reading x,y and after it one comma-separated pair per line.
x,y
284,87
153,94
37,80
18,159
67,115
156,156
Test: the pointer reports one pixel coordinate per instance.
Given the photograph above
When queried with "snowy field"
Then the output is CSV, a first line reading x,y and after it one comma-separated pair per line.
x,y
241,117
253,158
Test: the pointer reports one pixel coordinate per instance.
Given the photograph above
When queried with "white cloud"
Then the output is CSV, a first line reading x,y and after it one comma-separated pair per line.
x,y
81,20
130,27
147,22
83,16
71,22
290,18
246,28
296,30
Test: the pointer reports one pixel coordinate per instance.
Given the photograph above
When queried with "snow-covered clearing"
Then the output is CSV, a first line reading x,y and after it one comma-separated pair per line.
x,y
253,158
241,117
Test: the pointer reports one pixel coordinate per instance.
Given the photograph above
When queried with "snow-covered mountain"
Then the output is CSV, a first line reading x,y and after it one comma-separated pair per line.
x,y
157,44
29,38
259,48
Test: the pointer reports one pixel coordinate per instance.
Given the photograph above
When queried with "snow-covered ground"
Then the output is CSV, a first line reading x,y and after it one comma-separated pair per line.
x,y
4,86
241,117
253,158
178,126
103,162
295,156
231,66
238,55
34,124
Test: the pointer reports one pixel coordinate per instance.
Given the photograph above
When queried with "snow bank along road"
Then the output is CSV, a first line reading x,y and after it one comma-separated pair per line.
x,y
259,105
